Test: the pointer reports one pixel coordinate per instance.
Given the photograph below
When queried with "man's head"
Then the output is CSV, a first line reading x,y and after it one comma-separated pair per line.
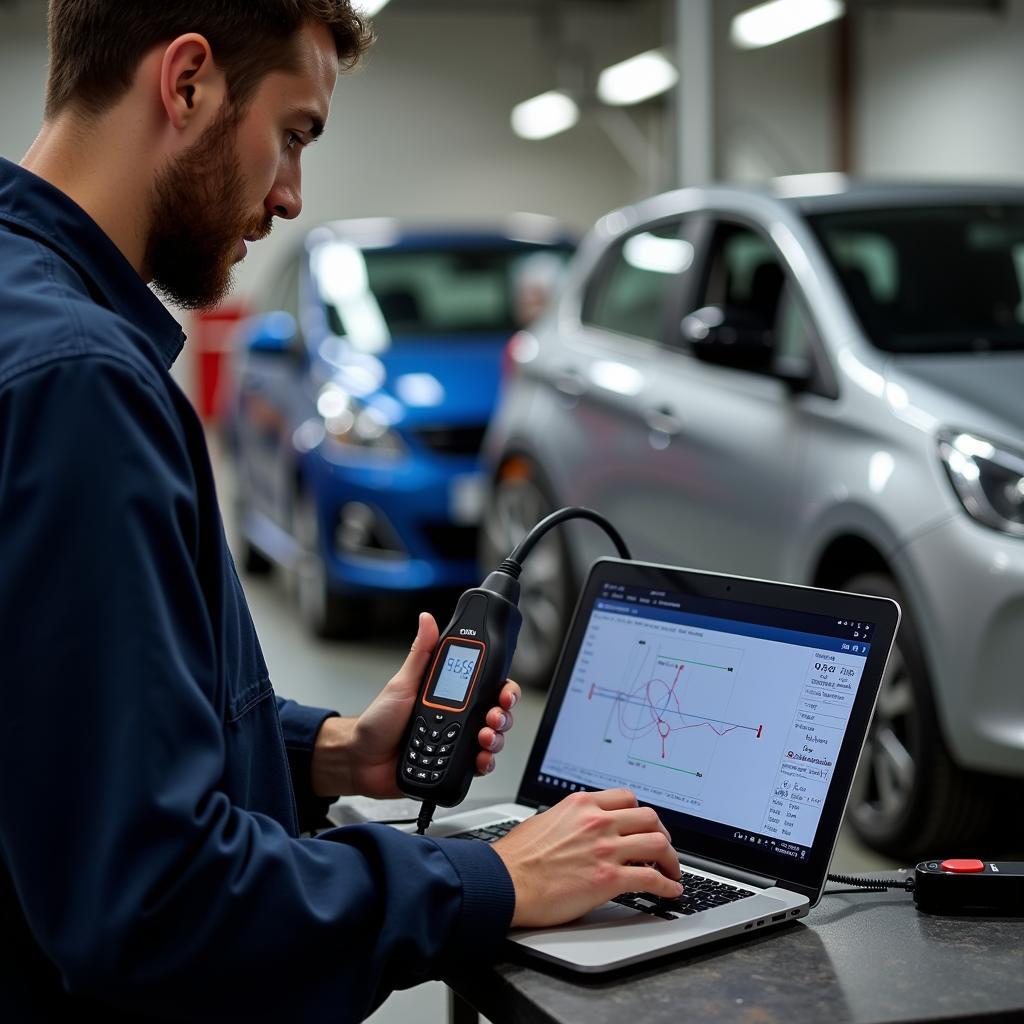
x,y
235,90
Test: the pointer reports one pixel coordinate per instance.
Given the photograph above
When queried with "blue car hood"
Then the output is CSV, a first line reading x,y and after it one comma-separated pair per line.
x,y
467,370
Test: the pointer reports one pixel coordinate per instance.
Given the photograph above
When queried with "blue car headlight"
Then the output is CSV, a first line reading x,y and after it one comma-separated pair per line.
x,y
988,478
355,424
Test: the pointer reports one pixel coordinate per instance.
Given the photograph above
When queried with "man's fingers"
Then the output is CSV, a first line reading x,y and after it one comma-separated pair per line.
x,y
418,658
644,879
485,763
651,848
632,820
491,740
510,695
614,799
498,720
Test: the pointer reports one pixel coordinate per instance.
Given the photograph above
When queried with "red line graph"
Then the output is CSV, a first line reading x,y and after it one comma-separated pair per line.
x,y
649,706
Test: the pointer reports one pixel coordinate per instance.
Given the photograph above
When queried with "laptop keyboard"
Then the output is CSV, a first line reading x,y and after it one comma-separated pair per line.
x,y
700,892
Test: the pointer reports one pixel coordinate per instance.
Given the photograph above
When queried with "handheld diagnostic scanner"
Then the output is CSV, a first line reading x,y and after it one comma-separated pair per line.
x,y
438,753
468,670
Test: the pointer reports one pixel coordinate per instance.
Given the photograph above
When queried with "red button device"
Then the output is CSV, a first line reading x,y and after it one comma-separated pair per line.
x,y
962,867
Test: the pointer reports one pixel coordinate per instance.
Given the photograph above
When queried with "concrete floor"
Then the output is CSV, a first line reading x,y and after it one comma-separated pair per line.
x,y
345,676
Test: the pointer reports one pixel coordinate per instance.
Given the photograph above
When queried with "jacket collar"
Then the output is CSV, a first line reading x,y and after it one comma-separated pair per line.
x,y
36,208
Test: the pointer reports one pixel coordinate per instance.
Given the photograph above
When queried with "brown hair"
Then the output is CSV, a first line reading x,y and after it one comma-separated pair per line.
x,y
96,45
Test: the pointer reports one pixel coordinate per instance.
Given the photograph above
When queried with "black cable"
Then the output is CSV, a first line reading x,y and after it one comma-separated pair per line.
x,y
874,884
527,544
425,817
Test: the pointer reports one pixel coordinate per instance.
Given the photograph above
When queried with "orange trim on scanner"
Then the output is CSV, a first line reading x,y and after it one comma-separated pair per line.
x,y
472,683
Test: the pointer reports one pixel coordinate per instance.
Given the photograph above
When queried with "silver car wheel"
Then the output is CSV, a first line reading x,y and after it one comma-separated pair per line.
x,y
884,786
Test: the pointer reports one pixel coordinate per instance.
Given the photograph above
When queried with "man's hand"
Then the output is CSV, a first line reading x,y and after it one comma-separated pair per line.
x,y
585,850
359,755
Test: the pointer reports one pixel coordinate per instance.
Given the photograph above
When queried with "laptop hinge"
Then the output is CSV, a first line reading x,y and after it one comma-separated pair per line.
x,y
728,871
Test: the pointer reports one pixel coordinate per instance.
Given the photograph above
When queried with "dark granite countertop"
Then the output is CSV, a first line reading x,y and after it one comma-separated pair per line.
x,y
865,957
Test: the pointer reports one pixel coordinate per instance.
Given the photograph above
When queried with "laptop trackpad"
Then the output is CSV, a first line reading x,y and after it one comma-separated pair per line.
x,y
610,913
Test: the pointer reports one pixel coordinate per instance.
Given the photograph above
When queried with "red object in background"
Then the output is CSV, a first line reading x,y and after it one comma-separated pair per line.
x,y
211,339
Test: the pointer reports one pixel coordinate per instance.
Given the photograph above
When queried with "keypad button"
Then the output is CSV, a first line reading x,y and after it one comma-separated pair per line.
x,y
421,727
413,756
442,762
427,761
434,734
451,733
439,718
416,743
421,775
445,748
409,770
435,776
429,748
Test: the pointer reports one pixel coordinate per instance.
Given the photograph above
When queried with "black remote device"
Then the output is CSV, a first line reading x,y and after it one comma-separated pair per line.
x,y
468,670
963,886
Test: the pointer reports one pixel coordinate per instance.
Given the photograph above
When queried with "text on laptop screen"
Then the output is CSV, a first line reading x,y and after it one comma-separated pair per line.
x,y
729,714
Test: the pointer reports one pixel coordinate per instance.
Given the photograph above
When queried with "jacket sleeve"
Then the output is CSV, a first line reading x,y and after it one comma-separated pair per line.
x,y
300,724
139,879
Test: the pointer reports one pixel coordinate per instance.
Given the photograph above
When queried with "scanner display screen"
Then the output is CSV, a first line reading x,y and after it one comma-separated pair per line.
x,y
456,673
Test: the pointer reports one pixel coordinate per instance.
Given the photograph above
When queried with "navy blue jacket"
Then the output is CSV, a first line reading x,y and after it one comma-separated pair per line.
x,y
152,786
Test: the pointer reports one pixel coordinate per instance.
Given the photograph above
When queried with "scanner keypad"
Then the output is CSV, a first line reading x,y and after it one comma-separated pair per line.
x,y
430,749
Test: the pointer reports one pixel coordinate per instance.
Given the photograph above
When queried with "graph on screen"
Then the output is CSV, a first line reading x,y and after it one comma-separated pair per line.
x,y
741,729
673,709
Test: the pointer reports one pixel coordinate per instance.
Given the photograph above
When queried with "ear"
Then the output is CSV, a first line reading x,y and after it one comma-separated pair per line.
x,y
190,83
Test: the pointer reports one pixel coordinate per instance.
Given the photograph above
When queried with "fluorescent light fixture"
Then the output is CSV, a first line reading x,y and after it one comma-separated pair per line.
x,y
779,19
637,79
544,115
820,183
369,7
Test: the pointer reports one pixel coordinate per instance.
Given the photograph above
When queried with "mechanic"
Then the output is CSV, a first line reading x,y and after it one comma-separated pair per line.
x,y
155,789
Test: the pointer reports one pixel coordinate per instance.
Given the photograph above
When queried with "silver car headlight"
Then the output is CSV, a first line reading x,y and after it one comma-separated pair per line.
x,y
350,422
988,478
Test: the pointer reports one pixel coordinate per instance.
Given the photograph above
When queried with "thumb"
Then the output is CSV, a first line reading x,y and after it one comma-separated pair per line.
x,y
410,675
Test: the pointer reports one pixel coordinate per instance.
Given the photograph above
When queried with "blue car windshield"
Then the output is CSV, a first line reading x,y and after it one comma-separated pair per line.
x,y
932,279
450,293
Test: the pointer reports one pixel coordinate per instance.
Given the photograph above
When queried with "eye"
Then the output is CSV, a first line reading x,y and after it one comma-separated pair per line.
x,y
293,140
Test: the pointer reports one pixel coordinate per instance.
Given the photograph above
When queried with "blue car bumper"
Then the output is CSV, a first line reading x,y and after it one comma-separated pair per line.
x,y
405,525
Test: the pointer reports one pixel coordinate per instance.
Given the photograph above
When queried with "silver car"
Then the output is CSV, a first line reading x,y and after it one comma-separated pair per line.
x,y
819,382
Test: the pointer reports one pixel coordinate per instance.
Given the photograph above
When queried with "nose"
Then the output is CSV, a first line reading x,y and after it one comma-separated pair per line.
x,y
285,198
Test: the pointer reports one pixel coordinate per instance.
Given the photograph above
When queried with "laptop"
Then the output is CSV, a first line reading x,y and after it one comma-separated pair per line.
x,y
737,708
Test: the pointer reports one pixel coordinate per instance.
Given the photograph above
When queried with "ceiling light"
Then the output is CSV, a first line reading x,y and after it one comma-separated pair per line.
x,y
545,115
369,7
637,79
779,19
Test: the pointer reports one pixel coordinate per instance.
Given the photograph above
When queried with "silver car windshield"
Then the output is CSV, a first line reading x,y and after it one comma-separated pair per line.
x,y
932,279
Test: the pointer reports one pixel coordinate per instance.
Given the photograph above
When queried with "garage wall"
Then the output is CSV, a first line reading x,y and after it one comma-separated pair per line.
x,y
940,93
774,107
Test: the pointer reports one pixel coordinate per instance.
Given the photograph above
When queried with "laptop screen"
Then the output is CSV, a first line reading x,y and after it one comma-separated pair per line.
x,y
727,716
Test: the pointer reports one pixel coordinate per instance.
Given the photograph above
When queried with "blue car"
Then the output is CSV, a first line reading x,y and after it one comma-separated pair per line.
x,y
364,392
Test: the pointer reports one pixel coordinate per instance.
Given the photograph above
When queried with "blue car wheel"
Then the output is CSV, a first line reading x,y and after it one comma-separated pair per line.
x,y
325,612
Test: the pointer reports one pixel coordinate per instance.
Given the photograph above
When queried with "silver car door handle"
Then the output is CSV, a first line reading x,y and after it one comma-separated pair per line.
x,y
570,383
663,419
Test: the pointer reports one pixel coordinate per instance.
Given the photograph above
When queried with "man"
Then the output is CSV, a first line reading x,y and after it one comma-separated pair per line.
x,y
153,787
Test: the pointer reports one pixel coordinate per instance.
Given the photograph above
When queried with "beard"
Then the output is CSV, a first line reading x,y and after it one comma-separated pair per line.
x,y
198,218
